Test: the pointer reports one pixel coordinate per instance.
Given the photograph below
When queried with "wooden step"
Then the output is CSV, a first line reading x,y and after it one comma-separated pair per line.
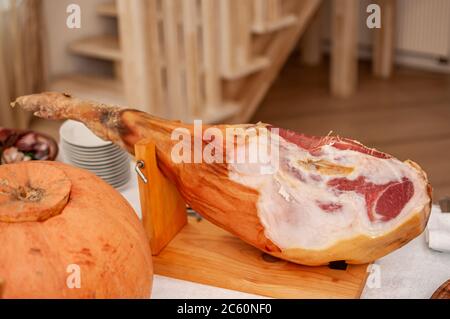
x,y
104,47
107,9
94,88
258,64
283,23
216,115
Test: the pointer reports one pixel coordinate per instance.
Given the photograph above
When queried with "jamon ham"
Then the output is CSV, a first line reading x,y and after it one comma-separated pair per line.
x,y
328,199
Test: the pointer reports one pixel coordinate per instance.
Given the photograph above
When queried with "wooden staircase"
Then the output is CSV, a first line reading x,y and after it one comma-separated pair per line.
x,y
191,59
107,9
102,47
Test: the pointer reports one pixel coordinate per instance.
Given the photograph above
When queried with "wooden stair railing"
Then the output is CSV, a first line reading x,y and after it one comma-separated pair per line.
x,y
277,48
178,58
236,26
175,60
269,16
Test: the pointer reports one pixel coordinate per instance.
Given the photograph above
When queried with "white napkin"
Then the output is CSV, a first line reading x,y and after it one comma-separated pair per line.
x,y
437,233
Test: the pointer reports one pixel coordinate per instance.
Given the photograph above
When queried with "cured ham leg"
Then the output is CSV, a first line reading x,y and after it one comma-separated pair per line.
x,y
327,199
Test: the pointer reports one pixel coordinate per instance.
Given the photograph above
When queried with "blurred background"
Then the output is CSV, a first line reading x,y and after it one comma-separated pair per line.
x,y
309,65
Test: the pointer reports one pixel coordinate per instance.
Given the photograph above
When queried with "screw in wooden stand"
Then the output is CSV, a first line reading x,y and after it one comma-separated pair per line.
x,y
193,213
138,168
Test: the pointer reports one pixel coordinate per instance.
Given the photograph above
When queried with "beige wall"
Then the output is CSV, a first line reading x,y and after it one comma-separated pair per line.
x,y
58,36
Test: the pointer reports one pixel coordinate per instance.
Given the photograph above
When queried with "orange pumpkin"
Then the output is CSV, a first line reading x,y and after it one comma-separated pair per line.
x,y
65,233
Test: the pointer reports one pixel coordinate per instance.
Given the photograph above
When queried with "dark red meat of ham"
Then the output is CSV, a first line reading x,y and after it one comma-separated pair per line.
x,y
384,202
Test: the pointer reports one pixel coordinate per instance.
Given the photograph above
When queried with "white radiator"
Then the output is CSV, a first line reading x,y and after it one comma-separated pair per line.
x,y
422,33
423,27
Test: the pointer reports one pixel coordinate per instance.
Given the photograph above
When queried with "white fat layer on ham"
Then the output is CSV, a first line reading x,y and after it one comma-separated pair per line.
x,y
288,205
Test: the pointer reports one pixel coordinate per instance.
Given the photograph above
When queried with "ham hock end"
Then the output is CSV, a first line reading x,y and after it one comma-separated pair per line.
x,y
329,199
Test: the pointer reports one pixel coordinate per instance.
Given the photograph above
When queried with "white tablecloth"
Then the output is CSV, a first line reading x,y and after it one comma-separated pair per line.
x,y
414,271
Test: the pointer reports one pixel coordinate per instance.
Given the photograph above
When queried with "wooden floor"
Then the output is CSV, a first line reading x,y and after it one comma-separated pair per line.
x,y
407,116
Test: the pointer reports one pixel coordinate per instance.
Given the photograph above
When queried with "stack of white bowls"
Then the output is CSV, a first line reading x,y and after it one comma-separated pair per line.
x,y
81,148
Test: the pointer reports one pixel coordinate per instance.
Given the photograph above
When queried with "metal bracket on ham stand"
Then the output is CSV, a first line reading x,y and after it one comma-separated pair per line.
x,y
195,250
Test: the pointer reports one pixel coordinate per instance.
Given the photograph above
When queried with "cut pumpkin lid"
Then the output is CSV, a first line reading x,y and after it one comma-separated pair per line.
x,y
32,192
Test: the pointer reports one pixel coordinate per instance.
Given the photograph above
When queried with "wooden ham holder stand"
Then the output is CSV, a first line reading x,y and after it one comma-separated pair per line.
x,y
196,250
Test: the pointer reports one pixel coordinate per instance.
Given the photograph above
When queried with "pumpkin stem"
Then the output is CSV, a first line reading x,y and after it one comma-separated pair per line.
x,y
30,192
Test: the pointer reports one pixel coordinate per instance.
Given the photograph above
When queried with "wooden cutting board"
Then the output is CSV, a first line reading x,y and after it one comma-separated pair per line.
x,y
204,253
